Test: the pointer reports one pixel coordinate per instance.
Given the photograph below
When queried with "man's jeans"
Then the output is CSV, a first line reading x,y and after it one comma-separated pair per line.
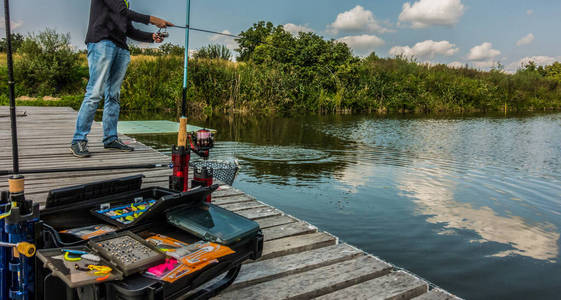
x,y
108,65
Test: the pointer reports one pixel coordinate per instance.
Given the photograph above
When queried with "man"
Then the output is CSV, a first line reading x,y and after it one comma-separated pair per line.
x,y
108,57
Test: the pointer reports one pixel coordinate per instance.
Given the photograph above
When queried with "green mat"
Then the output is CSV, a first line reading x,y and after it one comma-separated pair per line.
x,y
148,127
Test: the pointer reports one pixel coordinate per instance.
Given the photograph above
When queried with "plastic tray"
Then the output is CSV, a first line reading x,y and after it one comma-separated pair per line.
x,y
154,257
53,259
186,199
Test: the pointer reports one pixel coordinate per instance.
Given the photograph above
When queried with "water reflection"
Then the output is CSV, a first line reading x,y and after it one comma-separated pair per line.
x,y
434,197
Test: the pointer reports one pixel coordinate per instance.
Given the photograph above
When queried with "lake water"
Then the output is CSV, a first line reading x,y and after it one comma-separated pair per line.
x,y
472,204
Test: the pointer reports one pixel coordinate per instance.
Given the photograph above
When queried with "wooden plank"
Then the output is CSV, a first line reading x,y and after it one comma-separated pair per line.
x,y
227,191
261,271
243,206
274,221
259,213
36,178
98,157
107,159
226,200
24,165
295,244
394,286
29,153
52,183
436,294
315,282
287,230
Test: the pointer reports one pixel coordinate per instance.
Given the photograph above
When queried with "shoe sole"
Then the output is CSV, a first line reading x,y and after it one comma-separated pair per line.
x,y
80,156
117,149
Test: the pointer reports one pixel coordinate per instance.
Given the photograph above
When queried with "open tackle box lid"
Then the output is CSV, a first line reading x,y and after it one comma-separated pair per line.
x,y
212,223
94,190
103,198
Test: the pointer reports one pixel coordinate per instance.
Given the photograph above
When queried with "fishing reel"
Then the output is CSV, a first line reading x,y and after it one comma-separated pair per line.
x,y
201,142
162,34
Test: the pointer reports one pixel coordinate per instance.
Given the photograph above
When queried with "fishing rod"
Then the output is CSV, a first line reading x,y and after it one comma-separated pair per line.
x,y
86,169
11,86
208,31
181,153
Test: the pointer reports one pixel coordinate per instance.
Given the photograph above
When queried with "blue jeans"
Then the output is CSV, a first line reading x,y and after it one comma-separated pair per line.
x,y
108,65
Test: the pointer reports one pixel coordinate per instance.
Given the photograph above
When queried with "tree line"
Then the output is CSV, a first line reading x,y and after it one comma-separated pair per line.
x,y
280,71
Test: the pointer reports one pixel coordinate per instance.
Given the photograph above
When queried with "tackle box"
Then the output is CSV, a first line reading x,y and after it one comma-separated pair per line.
x,y
64,212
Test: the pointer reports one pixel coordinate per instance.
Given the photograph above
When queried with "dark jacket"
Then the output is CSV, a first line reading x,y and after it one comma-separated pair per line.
x,y
112,20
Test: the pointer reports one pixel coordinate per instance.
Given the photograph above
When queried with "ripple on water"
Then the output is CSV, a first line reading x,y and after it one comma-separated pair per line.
x,y
284,154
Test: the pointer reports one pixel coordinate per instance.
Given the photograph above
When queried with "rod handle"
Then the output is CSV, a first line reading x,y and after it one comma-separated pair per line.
x,y
182,134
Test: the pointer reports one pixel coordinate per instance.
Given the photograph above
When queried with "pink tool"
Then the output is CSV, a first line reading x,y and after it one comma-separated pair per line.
x,y
160,270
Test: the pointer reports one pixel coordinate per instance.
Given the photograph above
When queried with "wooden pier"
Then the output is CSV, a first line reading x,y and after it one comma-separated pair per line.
x,y
299,261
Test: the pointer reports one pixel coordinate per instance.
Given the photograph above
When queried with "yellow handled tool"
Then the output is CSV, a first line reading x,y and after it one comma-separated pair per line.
x,y
23,248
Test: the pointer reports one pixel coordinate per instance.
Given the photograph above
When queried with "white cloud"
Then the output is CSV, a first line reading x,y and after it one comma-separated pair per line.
x,y
295,29
362,44
13,24
525,40
355,20
483,52
426,13
426,50
486,64
538,60
456,65
530,12
229,42
218,37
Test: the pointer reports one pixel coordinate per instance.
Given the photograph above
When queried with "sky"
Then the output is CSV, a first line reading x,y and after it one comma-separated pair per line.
x,y
480,33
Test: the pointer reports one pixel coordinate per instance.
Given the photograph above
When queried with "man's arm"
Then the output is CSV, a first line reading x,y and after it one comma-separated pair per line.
x,y
120,7
139,35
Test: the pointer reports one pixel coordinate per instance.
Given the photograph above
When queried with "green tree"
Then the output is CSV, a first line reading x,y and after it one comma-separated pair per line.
x,y
554,71
252,38
134,49
17,41
172,49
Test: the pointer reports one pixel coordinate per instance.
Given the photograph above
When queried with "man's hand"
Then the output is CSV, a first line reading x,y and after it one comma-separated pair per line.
x,y
160,23
157,38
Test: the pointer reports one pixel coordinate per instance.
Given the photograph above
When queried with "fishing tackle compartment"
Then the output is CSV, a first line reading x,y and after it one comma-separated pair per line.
x,y
72,208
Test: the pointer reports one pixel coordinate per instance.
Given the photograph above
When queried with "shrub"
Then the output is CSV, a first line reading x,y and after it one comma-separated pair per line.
x,y
48,65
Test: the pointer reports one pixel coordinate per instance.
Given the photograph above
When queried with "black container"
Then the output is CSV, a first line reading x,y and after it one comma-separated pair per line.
x,y
65,212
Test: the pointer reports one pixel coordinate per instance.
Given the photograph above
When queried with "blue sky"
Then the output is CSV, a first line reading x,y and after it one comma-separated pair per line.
x,y
477,32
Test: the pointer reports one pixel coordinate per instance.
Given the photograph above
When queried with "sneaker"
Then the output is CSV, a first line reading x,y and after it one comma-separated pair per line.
x,y
80,149
118,145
